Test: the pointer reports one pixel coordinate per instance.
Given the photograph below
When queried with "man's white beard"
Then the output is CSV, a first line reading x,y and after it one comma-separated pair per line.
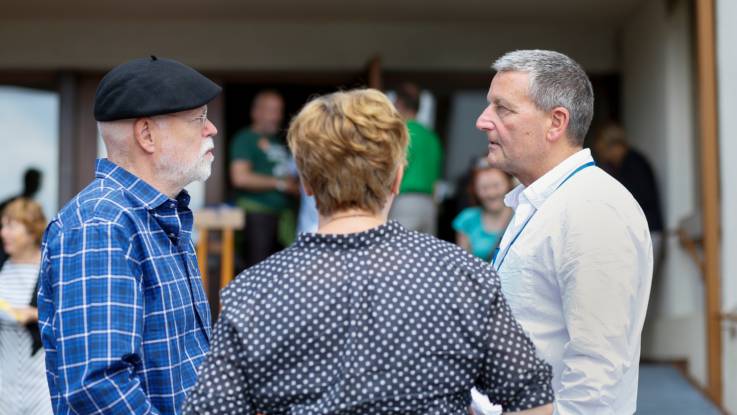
x,y
176,171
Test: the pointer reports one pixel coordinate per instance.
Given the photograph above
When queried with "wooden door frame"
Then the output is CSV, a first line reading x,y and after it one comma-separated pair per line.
x,y
709,145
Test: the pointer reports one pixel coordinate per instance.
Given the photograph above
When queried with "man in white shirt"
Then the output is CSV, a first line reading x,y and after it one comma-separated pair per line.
x,y
576,259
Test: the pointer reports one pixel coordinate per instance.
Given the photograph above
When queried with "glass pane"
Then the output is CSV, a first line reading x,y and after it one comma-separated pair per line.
x,y
30,139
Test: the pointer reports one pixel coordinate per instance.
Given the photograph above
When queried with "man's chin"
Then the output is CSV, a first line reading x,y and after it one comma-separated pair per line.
x,y
494,161
203,176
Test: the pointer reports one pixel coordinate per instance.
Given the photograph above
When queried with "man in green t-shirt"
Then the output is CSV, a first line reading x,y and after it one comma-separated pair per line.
x,y
260,173
415,206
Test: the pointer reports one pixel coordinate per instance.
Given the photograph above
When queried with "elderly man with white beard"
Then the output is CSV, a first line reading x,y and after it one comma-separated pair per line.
x,y
124,318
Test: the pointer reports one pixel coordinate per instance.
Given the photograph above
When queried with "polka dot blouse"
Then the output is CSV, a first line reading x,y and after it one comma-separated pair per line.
x,y
386,321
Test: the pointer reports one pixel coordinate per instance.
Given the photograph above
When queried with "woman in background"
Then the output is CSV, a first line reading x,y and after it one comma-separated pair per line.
x,y
23,388
479,228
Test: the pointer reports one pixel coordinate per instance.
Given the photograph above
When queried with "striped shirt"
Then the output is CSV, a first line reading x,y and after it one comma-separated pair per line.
x,y
23,387
17,282
123,315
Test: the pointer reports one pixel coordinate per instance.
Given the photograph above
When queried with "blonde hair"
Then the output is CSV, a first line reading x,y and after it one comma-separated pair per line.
x,y
30,214
349,147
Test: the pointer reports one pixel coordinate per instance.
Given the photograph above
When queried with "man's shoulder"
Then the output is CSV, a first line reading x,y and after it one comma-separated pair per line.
x,y
101,202
600,185
598,195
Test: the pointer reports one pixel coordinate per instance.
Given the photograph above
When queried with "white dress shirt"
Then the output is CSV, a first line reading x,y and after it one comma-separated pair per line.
x,y
578,280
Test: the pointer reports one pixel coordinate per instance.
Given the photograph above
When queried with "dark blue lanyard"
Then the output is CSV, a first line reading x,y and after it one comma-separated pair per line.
x,y
496,251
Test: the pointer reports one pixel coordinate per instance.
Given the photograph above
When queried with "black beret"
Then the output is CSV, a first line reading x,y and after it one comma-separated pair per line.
x,y
151,86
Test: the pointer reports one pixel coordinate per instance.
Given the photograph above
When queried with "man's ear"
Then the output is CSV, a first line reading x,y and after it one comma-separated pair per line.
x,y
144,133
560,118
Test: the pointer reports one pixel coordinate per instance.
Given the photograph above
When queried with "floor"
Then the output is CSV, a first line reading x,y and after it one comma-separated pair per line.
x,y
664,390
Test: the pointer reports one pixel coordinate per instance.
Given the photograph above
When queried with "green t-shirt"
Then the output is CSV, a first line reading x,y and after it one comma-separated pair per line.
x,y
424,158
268,156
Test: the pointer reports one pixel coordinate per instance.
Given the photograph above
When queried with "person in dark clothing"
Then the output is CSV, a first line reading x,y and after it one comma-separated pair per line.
x,y
31,184
631,168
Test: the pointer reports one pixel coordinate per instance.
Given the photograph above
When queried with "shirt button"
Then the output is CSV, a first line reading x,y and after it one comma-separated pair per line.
x,y
172,205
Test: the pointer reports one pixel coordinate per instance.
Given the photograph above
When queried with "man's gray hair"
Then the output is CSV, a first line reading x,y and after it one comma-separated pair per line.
x,y
555,81
117,136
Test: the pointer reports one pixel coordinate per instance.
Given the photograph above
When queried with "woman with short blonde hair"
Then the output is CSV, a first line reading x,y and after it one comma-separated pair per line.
x,y
349,148
23,388
364,316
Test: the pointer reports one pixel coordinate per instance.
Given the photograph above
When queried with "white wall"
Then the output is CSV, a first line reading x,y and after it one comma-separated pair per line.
x,y
291,45
727,82
659,114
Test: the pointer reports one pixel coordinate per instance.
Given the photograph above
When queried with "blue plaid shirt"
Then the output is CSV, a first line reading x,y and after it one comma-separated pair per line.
x,y
123,315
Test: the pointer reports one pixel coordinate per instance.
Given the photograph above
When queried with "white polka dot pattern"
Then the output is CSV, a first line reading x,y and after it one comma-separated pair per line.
x,y
385,321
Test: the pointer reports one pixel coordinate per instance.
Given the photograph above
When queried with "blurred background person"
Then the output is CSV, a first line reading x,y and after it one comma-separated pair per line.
x,y
308,217
480,227
364,316
23,388
260,173
415,206
31,185
630,167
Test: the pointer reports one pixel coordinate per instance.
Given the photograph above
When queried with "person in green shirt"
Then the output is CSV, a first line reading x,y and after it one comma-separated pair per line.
x,y
260,173
415,207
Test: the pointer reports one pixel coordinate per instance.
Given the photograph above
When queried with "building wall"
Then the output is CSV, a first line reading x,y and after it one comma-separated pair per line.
x,y
292,45
659,114
727,84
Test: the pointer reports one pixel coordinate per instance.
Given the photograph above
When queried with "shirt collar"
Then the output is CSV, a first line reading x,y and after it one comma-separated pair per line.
x,y
539,191
357,240
141,191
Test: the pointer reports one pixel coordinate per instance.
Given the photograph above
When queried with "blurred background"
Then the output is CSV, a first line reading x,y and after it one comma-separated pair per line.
x,y
664,69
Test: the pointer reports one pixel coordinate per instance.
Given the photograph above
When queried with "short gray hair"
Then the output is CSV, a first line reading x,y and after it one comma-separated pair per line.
x,y
555,81
117,136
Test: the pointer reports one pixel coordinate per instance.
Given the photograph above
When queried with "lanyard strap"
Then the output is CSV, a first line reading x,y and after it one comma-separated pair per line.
x,y
496,251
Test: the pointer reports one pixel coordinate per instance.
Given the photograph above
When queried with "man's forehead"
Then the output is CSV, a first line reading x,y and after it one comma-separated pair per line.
x,y
268,98
507,85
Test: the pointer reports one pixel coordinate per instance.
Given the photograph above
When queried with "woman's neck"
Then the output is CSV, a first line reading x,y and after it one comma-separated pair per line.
x,y
28,256
350,221
495,220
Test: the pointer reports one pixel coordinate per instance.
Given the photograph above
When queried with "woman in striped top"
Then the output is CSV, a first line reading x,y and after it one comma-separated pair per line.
x,y
23,388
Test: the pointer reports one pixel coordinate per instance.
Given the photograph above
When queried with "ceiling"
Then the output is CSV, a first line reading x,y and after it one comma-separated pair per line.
x,y
584,12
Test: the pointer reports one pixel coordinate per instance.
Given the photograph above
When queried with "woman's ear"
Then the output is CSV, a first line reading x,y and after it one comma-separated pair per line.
x,y
398,180
306,186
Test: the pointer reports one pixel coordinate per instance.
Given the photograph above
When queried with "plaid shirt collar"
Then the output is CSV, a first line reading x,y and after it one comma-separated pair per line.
x,y
168,212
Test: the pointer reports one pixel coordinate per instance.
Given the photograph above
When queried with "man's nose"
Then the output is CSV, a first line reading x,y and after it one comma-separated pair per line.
x,y
483,122
211,129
